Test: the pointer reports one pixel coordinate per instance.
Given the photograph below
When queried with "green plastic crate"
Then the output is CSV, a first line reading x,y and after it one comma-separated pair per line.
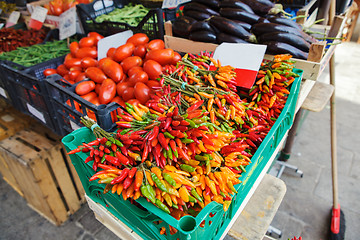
x,y
144,216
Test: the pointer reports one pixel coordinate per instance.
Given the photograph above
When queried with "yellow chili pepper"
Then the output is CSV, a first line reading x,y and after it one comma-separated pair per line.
x,y
211,185
157,171
184,194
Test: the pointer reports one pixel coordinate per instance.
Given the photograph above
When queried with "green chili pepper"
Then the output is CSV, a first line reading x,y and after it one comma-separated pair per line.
x,y
258,97
222,194
125,131
144,190
108,143
162,206
209,156
175,206
187,168
266,79
242,168
187,140
168,135
192,123
118,143
169,179
169,154
106,180
201,158
196,195
192,199
103,159
164,153
158,183
151,190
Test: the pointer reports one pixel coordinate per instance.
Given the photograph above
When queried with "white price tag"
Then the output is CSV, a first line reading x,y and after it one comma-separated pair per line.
x,y
39,14
1,25
99,5
7,118
2,92
173,3
67,24
74,126
14,17
36,113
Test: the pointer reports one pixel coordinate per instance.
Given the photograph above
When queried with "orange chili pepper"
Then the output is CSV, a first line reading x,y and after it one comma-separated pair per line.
x,y
114,187
206,95
138,180
157,171
260,81
137,194
272,101
184,194
119,189
149,179
197,96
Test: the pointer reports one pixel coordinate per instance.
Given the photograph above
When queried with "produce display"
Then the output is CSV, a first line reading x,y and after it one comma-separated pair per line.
x,y
130,14
187,145
29,56
57,7
243,21
7,7
12,38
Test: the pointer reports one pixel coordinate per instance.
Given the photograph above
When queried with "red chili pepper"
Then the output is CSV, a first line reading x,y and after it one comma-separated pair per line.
x,y
157,149
195,106
126,118
207,190
95,166
167,123
145,152
162,141
106,167
184,123
154,133
124,160
132,172
121,177
113,160
181,128
76,150
162,160
123,125
88,159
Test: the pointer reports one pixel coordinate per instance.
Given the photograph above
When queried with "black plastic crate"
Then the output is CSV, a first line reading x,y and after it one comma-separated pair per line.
x,y
152,24
29,94
70,107
293,3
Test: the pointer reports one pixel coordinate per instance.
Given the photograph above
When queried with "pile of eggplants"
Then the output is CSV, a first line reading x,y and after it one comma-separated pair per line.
x,y
243,21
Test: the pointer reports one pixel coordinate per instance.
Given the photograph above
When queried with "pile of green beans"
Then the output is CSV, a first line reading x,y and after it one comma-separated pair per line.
x,y
130,14
35,54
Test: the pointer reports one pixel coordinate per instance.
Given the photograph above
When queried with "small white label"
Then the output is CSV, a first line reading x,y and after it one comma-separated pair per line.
x,y
7,118
67,24
36,113
173,3
74,126
2,92
14,17
39,14
1,25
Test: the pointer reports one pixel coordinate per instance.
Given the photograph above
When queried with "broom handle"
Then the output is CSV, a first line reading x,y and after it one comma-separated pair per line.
x,y
333,135
333,117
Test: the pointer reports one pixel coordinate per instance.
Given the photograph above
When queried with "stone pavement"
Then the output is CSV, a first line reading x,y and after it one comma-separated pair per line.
x,y
306,207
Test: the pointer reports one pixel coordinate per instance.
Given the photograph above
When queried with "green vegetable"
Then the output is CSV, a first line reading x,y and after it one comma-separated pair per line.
x,y
130,14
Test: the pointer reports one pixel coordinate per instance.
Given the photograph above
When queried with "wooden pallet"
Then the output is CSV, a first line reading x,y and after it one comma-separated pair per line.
x,y
38,168
11,122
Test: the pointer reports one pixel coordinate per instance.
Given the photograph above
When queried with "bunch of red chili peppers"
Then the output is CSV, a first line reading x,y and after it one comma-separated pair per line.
x,y
188,145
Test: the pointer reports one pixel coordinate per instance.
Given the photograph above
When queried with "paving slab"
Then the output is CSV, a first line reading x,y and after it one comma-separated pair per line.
x,y
352,223
106,234
288,225
90,223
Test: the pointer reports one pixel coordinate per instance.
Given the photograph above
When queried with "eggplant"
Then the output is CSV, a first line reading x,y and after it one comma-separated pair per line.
x,y
201,25
235,4
239,14
262,28
181,26
283,48
263,20
284,21
203,36
288,38
193,6
228,26
245,25
199,16
264,7
214,4
224,37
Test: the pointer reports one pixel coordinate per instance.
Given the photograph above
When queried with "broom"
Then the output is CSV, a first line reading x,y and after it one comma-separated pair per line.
x,y
337,229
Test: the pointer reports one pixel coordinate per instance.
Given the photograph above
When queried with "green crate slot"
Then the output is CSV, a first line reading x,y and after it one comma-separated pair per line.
x,y
144,220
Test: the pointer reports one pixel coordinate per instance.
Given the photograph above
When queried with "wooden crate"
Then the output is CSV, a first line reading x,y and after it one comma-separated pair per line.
x,y
318,58
39,169
11,122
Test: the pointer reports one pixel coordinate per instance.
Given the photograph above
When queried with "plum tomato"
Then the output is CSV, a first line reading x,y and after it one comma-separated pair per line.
x,y
95,35
177,58
155,44
153,69
133,101
95,74
107,91
62,70
128,94
130,62
73,62
86,52
123,51
97,88
87,62
134,70
73,74
49,71
162,56
80,77
112,69
89,96
142,92
87,42
153,84
110,53
138,39
120,87
139,76
118,100
84,87
74,47
140,51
